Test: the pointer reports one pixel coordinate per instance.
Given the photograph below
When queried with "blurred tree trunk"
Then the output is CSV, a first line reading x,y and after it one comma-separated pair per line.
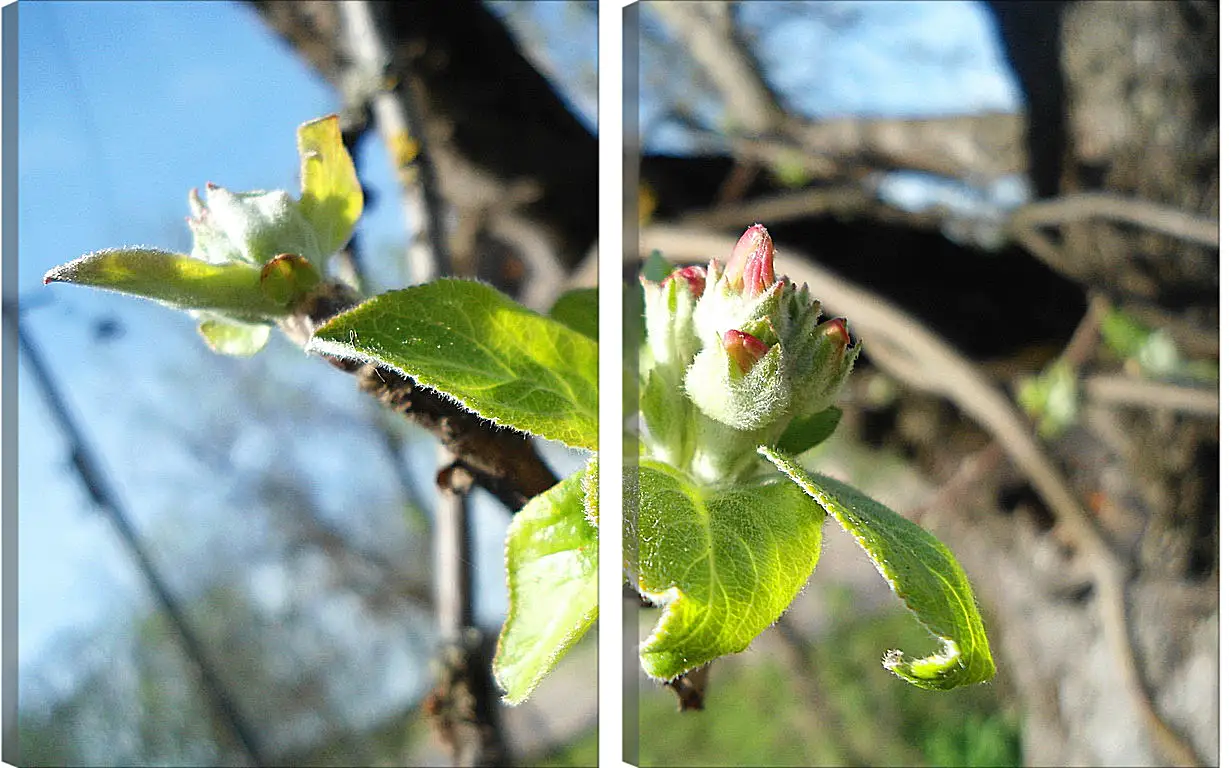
x,y
515,164
518,173
1123,98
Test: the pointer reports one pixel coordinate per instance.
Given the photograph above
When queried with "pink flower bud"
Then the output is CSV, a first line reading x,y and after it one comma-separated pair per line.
x,y
750,267
743,348
837,330
694,277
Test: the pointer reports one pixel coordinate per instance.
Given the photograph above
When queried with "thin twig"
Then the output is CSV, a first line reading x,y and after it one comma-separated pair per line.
x,y
89,469
690,688
1104,205
1124,390
934,366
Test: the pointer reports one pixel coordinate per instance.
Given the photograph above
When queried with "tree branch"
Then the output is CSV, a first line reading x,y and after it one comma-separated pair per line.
x,y
395,108
708,33
1103,205
1123,390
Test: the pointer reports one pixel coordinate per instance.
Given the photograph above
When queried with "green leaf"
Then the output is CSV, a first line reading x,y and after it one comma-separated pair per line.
x,y
805,433
1123,334
1051,398
656,267
920,570
591,490
724,563
552,585
179,281
577,309
468,340
236,339
332,198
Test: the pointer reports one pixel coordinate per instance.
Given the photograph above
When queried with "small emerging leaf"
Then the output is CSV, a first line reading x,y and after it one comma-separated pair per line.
x,y
723,563
920,570
332,198
804,433
468,340
552,585
1052,398
287,278
235,339
656,267
174,279
577,309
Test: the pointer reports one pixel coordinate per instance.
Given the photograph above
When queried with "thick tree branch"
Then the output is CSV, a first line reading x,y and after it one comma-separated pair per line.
x,y
503,462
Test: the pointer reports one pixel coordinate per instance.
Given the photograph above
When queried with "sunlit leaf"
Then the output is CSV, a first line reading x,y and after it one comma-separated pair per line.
x,y
920,570
332,198
577,309
236,339
552,584
468,340
723,563
176,280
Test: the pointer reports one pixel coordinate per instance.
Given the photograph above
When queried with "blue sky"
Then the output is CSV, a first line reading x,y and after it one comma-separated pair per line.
x,y
124,107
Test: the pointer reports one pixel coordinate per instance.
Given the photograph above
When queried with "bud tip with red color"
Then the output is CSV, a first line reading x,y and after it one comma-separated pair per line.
x,y
694,277
750,269
743,348
837,328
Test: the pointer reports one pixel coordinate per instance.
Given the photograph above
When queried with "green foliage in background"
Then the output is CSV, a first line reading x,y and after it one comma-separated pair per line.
x,y
756,712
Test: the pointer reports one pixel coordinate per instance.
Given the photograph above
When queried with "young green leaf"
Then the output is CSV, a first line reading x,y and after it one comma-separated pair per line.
x,y
724,563
332,198
552,584
236,339
468,340
920,570
176,280
287,278
806,432
577,309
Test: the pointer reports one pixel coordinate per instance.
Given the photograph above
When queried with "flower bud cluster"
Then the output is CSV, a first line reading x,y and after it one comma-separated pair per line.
x,y
733,355
250,227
